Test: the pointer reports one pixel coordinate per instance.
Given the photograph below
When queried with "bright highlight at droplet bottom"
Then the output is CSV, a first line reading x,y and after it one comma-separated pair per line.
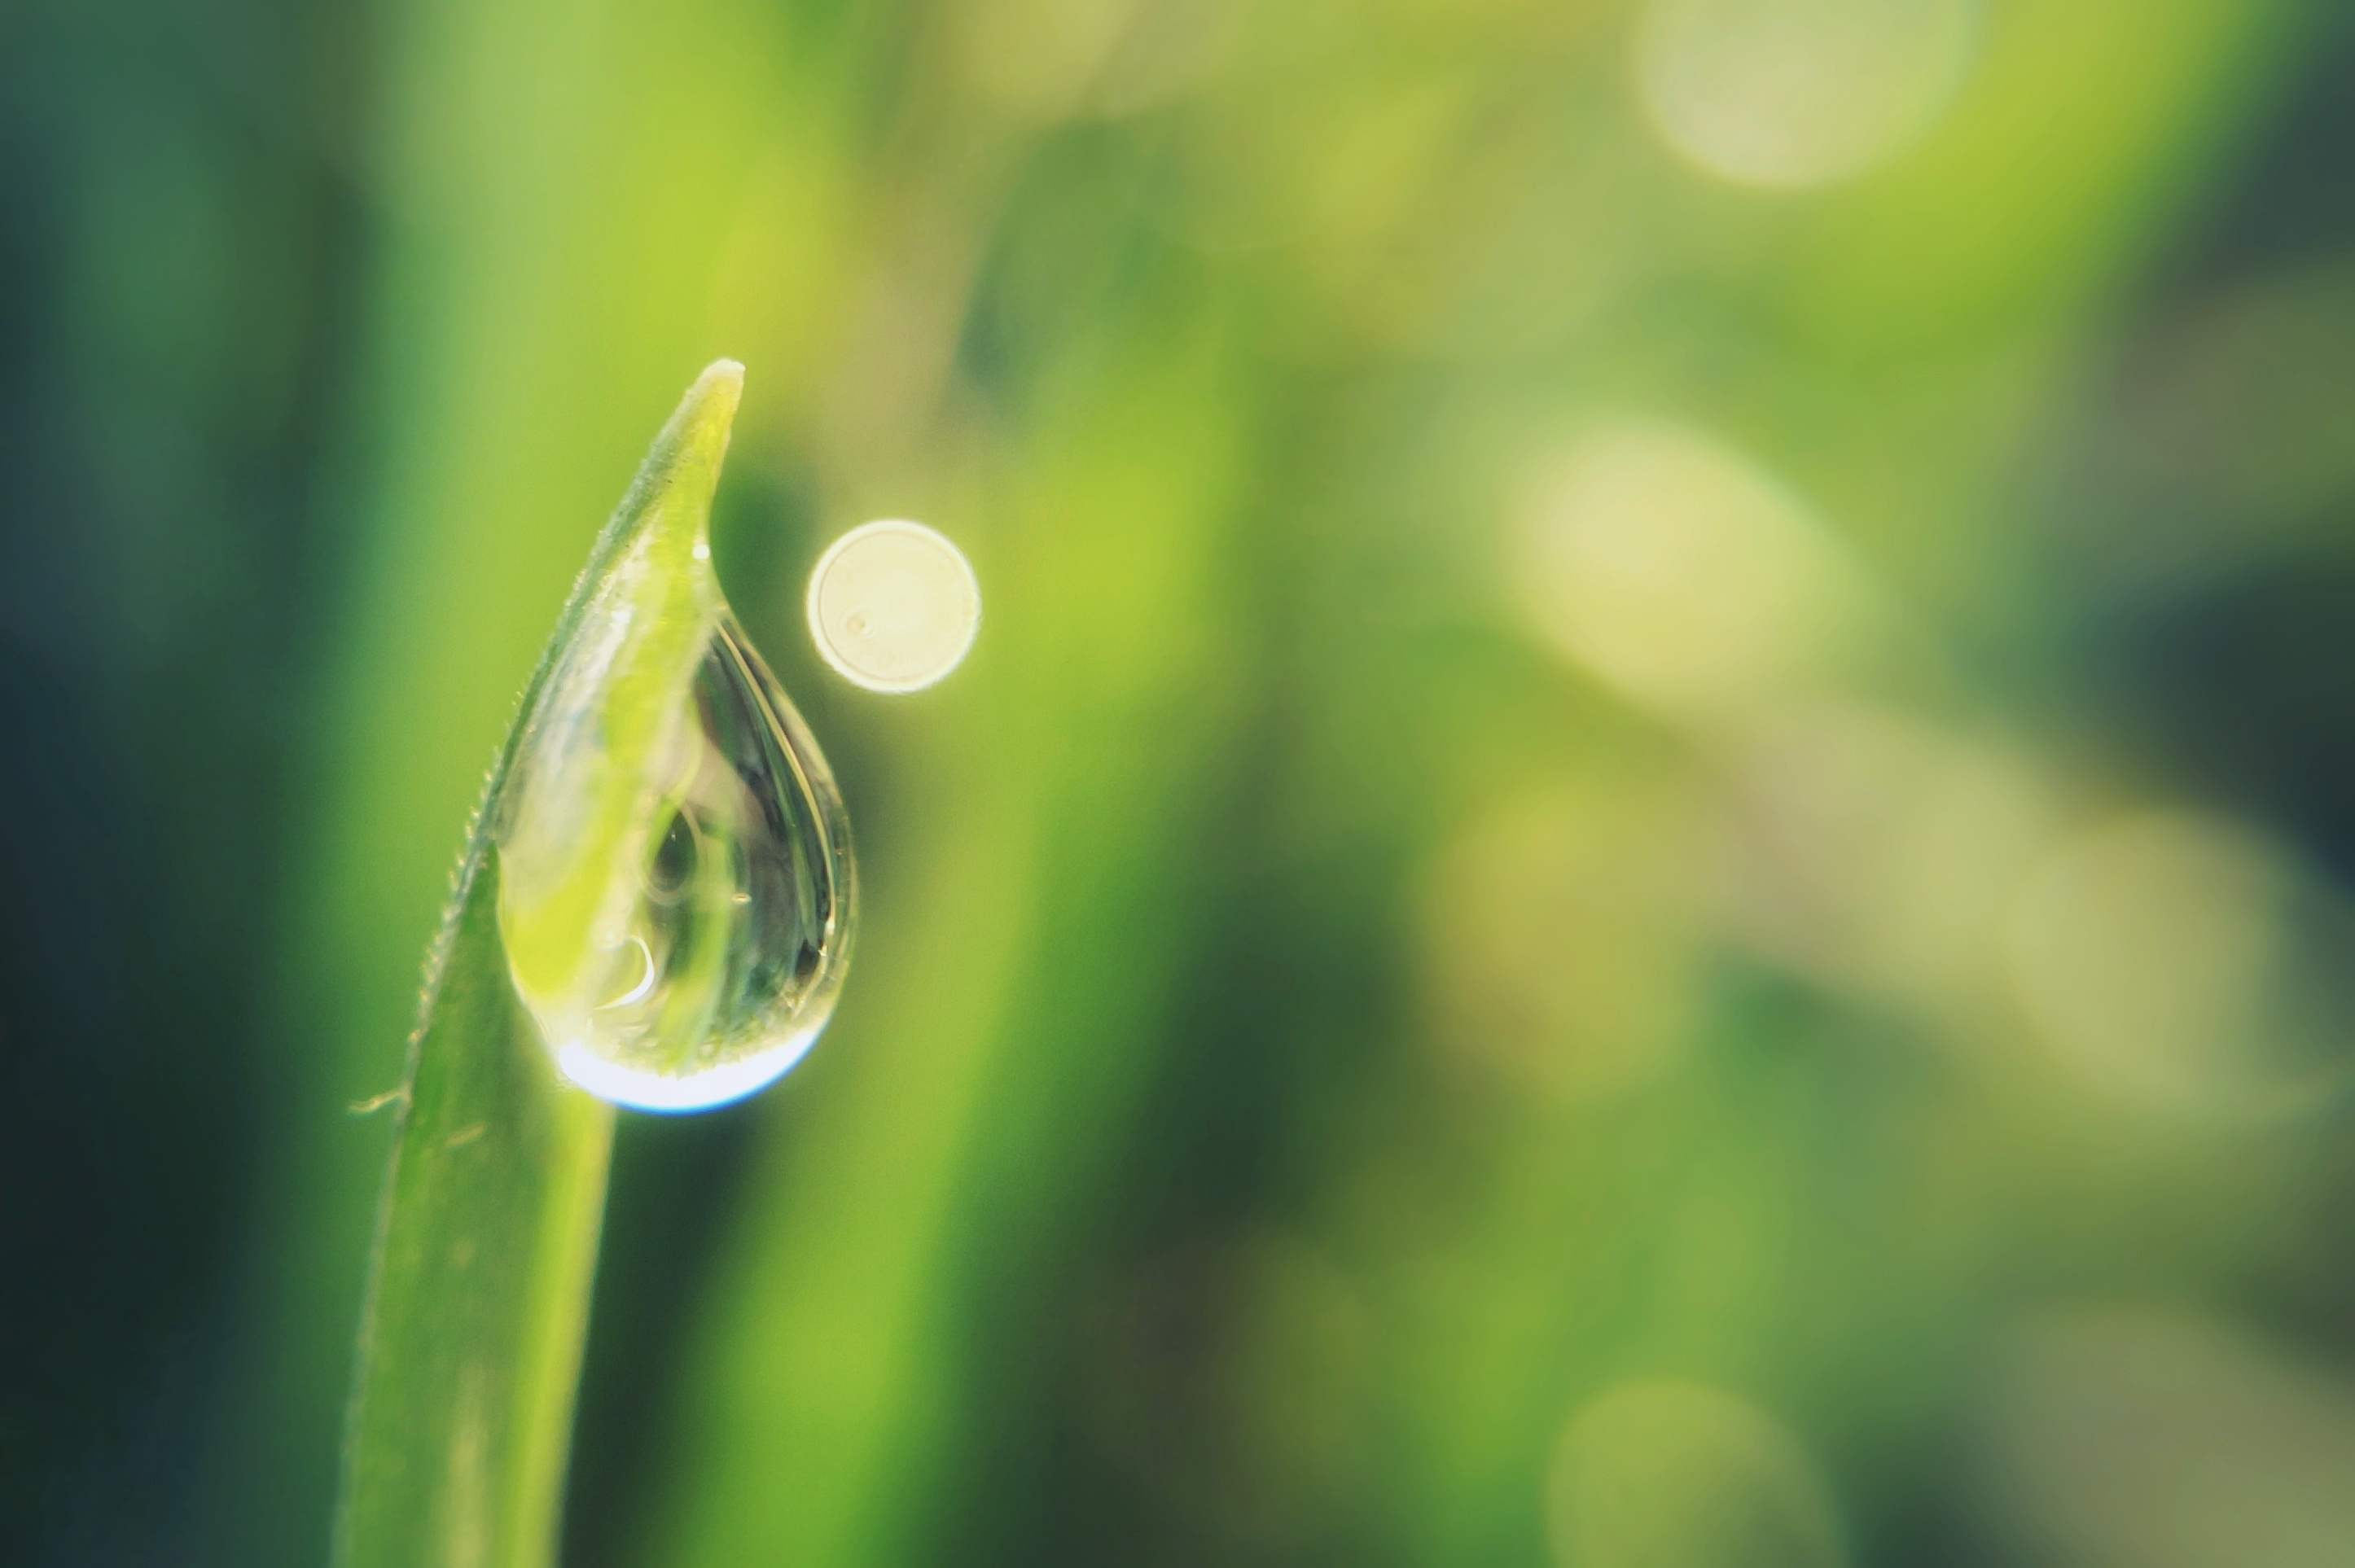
x,y
893,606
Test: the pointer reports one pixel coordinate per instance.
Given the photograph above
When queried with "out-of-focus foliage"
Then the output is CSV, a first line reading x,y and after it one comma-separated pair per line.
x,y
1644,862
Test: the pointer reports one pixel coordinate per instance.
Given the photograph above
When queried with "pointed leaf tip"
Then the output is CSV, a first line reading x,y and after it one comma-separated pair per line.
x,y
671,494
709,407
708,410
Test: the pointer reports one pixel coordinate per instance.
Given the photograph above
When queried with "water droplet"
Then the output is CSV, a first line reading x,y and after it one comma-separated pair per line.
x,y
675,881
721,914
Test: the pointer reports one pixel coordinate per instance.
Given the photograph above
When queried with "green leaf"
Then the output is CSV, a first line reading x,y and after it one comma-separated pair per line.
x,y
486,1240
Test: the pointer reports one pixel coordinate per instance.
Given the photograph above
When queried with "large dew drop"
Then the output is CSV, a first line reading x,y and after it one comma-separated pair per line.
x,y
675,873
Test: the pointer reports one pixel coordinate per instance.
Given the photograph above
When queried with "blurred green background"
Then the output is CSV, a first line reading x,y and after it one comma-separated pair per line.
x,y
1644,863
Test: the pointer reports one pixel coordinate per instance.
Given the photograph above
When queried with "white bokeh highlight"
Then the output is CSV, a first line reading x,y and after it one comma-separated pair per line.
x,y
2176,963
893,606
1680,573
1793,94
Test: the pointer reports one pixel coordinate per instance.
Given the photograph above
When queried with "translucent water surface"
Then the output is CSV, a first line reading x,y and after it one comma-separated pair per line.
x,y
721,911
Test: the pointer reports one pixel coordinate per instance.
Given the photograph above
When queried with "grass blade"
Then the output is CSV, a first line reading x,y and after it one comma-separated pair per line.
x,y
470,1344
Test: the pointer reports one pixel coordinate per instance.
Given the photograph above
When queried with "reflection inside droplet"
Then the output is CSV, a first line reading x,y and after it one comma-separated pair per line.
x,y
718,914
647,974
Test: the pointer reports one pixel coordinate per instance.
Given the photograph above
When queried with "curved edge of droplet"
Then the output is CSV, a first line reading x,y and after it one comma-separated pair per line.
x,y
816,775
710,1088
707,1089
